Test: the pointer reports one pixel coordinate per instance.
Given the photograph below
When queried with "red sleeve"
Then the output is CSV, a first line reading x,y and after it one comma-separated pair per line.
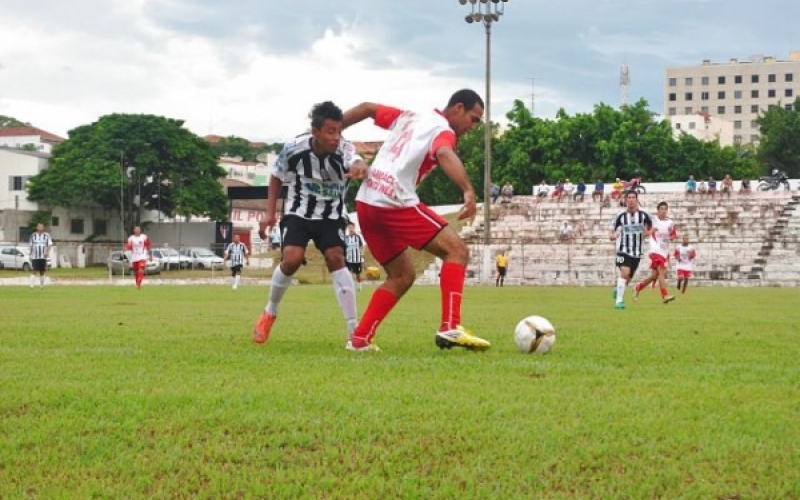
x,y
128,245
692,254
444,139
677,253
386,115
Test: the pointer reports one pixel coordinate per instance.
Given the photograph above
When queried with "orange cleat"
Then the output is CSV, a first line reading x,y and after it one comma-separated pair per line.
x,y
263,327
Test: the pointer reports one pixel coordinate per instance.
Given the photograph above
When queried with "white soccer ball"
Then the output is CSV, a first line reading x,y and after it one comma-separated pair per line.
x,y
535,334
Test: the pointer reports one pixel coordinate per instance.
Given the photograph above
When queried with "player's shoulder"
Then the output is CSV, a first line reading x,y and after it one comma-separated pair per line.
x,y
297,143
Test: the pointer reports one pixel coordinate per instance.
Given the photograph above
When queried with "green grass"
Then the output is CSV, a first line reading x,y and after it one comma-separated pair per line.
x,y
110,392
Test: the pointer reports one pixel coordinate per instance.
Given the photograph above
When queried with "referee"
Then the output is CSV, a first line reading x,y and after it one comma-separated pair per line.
x,y
40,249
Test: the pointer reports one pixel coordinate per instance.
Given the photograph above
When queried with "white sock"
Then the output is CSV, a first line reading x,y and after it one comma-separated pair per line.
x,y
345,294
280,283
33,280
621,285
41,281
236,281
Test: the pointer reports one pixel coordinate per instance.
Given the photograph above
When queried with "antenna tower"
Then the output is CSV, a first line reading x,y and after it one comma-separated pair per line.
x,y
624,84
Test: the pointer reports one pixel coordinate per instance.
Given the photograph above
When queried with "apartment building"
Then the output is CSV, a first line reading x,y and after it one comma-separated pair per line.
x,y
735,91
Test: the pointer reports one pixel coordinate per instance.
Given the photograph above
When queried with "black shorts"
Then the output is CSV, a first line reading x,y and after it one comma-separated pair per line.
x,y
501,270
39,265
325,233
355,268
236,270
625,260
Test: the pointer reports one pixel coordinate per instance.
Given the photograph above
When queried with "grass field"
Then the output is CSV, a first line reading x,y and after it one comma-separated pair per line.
x,y
114,393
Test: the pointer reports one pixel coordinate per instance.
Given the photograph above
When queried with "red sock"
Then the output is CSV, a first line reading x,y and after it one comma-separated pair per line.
x,y
139,278
638,287
451,283
380,305
663,292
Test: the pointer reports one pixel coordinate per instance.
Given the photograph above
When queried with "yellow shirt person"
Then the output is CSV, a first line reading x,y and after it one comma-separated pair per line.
x,y
502,266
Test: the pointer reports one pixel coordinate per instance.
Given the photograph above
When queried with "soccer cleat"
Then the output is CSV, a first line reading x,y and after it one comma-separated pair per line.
x,y
367,348
668,298
636,291
263,327
461,337
619,305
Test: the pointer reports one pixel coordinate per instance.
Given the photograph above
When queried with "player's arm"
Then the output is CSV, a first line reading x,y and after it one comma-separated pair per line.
x,y
274,191
246,255
359,113
612,233
356,168
450,163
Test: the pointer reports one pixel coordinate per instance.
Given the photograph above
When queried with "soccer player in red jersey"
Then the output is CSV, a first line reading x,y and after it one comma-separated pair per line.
x,y
662,233
684,254
139,245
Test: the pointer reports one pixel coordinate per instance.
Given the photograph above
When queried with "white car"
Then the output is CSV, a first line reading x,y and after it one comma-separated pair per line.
x,y
16,257
170,258
203,258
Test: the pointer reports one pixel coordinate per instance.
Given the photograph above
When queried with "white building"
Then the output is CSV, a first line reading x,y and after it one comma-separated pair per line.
x,y
31,138
704,127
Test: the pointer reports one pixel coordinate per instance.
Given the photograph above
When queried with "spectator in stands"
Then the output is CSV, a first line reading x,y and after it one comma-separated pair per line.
x,y
616,192
558,192
507,192
566,232
599,190
702,190
745,187
541,191
712,187
727,186
569,188
580,191
691,186
495,192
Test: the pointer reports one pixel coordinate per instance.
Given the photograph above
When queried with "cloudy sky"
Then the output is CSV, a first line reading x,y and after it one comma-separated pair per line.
x,y
253,68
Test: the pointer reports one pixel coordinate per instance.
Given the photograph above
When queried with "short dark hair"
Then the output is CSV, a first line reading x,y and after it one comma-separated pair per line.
x,y
351,224
324,111
631,192
662,204
468,97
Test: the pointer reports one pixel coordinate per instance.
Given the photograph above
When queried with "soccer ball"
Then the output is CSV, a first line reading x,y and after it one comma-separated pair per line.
x,y
534,334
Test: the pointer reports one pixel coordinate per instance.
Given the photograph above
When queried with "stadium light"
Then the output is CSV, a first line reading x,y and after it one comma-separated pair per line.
x,y
487,12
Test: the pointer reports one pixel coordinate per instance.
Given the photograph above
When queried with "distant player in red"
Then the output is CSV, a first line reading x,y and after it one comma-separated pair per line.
x,y
684,254
661,234
139,246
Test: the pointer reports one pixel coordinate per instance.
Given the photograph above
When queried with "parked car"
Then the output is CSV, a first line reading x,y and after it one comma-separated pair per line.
x,y
203,258
170,259
119,263
17,257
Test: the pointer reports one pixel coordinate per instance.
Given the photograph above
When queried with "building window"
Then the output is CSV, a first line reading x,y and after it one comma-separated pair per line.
x,y
754,94
771,93
687,110
688,96
771,78
721,94
673,82
754,124
737,139
100,227
672,111
704,109
17,182
721,80
788,107
54,221
754,108
677,126
737,110
76,226
720,110
704,96
704,80
737,94
737,79
788,77
753,78
688,81
673,97
788,93
737,124
692,125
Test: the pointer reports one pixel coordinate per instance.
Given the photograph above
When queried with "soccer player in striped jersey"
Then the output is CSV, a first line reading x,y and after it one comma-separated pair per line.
x,y
316,167
663,233
354,255
628,229
40,249
139,245
238,253
392,217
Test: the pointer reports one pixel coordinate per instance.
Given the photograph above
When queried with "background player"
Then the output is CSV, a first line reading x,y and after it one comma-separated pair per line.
x,y
40,249
139,245
684,255
662,233
354,252
628,229
316,167
238,253
392,218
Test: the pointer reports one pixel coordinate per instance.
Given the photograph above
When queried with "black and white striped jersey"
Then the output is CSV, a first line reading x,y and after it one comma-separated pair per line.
x,y
353,244
236,252
40,245
630,228
316,186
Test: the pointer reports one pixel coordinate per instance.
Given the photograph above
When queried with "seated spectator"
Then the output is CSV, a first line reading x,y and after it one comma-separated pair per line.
x,y
542,190
727,186
566,232
495,192
712,187
580,191
702,189
558,192
617,189
745,187
569,188
507,192
599,190
691,186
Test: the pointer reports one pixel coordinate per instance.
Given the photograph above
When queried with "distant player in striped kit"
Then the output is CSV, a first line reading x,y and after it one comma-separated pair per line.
x,y
40,249
354,255
238,254
139,245
316,168
628,230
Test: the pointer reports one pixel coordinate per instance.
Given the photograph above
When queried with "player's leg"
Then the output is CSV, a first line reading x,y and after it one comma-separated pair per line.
x,y
327,238
623,278
685,282
497,278
662,284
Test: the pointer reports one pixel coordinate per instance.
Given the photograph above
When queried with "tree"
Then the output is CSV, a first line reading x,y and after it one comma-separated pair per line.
x,y
779,147
137,162
11,122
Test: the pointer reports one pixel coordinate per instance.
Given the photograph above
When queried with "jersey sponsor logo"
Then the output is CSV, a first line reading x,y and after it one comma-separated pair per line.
x,y
381,181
